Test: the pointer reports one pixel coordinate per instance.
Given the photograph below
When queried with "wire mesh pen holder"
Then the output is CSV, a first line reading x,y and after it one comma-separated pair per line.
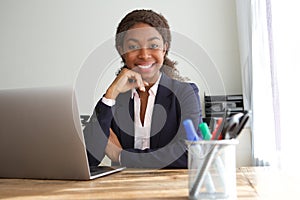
x,y
212,169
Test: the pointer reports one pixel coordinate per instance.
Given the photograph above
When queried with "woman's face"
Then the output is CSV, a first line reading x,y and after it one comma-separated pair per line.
x,y
143,51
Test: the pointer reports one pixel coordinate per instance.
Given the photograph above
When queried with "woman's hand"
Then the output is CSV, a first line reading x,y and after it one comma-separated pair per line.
x,y
126,80
113,147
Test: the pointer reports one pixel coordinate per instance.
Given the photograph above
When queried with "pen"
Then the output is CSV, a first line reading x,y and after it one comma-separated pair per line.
x,y
196,149
205,131
217,128
199,180
218,161
190,131
218,134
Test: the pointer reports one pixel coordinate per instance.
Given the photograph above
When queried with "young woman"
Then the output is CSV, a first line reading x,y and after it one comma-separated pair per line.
x,y
142,111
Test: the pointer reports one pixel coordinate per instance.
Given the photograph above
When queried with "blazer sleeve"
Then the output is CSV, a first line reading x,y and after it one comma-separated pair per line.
x,y
96,133
173,154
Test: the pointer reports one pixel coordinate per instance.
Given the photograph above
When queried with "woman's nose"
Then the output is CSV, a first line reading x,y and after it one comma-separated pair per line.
x,y
144,53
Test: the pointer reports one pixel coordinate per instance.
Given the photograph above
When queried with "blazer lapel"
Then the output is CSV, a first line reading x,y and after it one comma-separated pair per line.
x,y
161,110
125,117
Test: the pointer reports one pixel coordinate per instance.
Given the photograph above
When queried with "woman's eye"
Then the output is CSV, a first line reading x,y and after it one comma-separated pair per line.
x,y
133,47
154,46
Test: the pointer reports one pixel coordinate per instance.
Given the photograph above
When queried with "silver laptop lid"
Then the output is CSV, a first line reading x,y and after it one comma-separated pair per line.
x,y
41,135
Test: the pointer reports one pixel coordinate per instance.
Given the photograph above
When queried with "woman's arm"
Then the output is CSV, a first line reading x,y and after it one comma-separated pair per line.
x,y
96,133
113,147
174,153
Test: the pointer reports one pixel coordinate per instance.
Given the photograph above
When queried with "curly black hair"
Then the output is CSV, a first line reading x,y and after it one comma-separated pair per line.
x,y
157,21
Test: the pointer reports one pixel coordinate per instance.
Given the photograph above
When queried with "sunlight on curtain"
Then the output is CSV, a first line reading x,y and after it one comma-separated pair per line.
x,y
264,141
286,35
269,37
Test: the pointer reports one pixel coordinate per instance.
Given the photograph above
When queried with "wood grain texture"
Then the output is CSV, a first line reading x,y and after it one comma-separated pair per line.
x,y
252,183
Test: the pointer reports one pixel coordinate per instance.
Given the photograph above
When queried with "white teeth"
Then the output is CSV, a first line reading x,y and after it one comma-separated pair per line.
x,y
144,66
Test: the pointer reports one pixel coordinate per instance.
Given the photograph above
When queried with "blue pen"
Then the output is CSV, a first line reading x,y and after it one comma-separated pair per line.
x,y
190,131
196,149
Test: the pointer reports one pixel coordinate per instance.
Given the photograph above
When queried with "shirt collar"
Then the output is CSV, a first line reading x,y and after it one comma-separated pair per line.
x,y
152,90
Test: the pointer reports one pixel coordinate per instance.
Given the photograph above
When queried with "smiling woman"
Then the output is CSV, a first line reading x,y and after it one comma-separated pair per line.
x,y
142,111
143,51
139,22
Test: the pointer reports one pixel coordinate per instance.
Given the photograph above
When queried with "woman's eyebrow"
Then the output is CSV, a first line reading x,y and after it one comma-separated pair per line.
x,y
150,39
132,39
154,38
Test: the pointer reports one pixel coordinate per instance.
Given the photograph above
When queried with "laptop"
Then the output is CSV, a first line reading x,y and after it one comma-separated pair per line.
x,y
41,136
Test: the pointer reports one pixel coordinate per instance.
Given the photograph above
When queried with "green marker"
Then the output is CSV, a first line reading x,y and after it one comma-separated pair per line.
x,y
205,131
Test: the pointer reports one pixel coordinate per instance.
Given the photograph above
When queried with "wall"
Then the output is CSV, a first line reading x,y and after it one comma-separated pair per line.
x,y
47,43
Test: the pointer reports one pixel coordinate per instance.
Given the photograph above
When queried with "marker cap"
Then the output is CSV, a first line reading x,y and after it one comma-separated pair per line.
x,y
190,130
205,131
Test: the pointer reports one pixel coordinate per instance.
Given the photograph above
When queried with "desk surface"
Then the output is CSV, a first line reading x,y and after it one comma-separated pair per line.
x,y
252,183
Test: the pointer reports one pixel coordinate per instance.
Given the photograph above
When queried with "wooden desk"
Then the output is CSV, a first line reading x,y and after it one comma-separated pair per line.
x,y
252,183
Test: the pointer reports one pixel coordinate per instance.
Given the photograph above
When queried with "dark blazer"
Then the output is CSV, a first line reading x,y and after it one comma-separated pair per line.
x,y
175,101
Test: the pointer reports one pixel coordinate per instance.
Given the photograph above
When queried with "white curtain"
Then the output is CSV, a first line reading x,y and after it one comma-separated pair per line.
x,y
269,48
256,61
286,35
263,86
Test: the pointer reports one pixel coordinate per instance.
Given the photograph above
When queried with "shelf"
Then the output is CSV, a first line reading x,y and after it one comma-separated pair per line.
x,y
217,105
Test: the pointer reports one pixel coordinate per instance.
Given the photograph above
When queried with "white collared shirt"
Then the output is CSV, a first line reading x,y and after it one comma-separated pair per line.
x,y
142,133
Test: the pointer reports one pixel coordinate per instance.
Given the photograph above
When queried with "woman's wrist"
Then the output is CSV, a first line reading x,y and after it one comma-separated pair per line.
x,y
111,93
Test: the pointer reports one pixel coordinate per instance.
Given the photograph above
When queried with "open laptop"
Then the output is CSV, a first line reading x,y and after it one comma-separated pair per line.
x,y
41,136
